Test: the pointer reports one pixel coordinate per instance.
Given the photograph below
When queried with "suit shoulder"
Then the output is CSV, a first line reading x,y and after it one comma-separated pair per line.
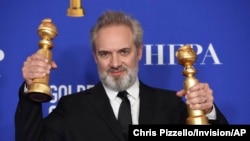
x,y
81,94
156,89
166,93
75,96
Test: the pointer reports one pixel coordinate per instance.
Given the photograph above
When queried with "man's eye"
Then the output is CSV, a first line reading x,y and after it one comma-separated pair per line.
x,y
125,52
103,54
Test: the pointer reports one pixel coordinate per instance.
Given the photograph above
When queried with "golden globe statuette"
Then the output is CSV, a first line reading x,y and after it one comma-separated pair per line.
x,y
187,57
75,9
39,90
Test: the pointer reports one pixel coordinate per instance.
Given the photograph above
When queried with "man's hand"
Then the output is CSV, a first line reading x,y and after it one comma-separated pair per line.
x,y
36,66
199,97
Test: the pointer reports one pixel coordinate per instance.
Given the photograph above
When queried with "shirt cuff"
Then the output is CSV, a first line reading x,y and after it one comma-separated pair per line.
x,y
25,88
212,114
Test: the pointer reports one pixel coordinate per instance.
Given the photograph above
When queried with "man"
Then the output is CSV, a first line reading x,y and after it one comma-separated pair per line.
x,y
92,115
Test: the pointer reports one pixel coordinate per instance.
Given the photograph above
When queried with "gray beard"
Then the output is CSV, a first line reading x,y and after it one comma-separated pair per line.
x,y
119,83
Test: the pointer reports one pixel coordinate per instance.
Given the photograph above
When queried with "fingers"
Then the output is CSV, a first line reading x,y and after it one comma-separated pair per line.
x,y
36,66
53,65
181,93
206,105
200,97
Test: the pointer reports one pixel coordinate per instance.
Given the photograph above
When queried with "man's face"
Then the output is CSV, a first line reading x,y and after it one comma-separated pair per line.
x,y
117,57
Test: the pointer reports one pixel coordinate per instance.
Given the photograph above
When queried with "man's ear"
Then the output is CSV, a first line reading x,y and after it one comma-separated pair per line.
x,y
94,55
140,51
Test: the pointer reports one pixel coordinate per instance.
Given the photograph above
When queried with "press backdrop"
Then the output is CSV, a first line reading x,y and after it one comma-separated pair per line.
x,y
219,30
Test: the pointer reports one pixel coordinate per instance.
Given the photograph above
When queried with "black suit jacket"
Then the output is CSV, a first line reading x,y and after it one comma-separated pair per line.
x,y
88,115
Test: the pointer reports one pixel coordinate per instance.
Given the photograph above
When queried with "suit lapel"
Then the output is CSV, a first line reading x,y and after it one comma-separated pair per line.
x,y
147,104
100,102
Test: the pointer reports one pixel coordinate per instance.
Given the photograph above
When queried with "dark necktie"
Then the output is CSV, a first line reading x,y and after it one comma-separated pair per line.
x,y
124,114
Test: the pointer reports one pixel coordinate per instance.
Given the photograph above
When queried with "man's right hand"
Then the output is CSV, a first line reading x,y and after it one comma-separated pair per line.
x,y
36,66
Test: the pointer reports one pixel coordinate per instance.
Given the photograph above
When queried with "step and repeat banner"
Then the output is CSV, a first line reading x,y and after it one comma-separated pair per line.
x,y
218,30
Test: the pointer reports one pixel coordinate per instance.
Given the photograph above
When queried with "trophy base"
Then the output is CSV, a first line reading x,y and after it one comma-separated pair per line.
x,y
75,12
196,117
39,92
39,97
197,120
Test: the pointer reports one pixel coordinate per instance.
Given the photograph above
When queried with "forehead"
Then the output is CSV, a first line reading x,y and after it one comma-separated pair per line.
x,y
114,37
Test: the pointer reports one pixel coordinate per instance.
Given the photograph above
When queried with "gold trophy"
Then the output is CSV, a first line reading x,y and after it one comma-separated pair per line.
x,y
75,9
187,57
39,90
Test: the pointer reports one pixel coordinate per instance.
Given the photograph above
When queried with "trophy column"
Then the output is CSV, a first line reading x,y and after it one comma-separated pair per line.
x,y
39,90
187,57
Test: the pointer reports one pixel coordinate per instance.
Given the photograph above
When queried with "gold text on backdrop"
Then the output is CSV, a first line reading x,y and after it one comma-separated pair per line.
x,y
39,90
187,57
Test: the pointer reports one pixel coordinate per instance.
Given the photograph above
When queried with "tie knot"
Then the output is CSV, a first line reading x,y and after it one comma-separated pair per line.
x,y
122,94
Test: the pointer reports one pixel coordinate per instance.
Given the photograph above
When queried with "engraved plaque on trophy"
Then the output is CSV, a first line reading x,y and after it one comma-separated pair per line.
x,y
187,57
39,90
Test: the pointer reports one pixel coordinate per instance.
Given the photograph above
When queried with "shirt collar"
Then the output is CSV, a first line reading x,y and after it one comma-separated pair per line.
x,y
133,91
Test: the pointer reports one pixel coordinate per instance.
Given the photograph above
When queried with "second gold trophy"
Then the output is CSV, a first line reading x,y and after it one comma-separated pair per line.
x,y
39,90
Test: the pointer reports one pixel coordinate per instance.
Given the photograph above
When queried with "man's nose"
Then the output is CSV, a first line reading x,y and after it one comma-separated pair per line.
x,y
115,61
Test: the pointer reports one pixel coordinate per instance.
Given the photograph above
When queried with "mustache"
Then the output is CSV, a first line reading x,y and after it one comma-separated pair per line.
x,y
120,68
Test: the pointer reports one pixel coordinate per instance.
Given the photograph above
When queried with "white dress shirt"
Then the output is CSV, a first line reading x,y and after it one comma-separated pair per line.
x,y
133,96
